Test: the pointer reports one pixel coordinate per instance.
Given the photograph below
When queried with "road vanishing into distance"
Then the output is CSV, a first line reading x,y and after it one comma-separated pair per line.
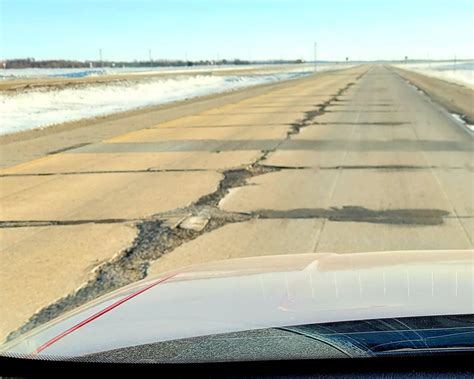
x,y
353,160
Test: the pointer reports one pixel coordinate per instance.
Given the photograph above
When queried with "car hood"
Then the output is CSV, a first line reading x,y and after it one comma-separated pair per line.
x,y
260,292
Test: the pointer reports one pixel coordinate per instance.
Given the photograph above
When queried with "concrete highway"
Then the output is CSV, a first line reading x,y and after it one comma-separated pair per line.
x,y
346,161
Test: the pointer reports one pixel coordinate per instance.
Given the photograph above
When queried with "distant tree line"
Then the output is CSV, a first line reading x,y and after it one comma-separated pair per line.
x,y
32,63
61,63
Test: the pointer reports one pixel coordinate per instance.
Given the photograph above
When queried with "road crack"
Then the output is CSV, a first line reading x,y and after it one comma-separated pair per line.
x,y
161,233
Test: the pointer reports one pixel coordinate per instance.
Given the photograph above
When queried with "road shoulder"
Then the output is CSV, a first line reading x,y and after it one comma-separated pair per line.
x,y
454,97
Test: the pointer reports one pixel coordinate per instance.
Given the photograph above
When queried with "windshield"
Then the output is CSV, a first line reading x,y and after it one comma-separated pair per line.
x,y
355,339
176,172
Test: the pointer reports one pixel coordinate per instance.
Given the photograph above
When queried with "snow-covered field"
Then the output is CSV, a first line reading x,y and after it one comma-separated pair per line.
x,y
31,73
37,108
37,73
459,72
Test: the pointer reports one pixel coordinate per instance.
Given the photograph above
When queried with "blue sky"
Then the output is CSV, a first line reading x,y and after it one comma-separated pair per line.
x,y
246,29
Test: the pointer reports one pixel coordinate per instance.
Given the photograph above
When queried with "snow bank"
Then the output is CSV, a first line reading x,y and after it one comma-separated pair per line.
x,y
38,108
43,107
459,73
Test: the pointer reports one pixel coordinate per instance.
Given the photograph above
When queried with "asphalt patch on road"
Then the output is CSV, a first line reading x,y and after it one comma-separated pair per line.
x,y
145,171
422,217
393,167
361,111
41,223
362,104
377,145
68,148
363,123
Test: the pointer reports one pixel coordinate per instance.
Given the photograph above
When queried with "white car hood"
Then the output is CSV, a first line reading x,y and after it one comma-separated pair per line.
x,y
261,292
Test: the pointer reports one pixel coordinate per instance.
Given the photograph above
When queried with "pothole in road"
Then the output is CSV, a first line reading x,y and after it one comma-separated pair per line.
x,y
234,178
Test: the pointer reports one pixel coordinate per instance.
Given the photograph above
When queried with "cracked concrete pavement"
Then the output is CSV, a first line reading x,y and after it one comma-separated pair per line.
x,y
346,161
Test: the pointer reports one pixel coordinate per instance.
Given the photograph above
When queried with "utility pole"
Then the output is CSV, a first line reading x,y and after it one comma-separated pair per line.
x,y
315,55
454,63
100,58
149,55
